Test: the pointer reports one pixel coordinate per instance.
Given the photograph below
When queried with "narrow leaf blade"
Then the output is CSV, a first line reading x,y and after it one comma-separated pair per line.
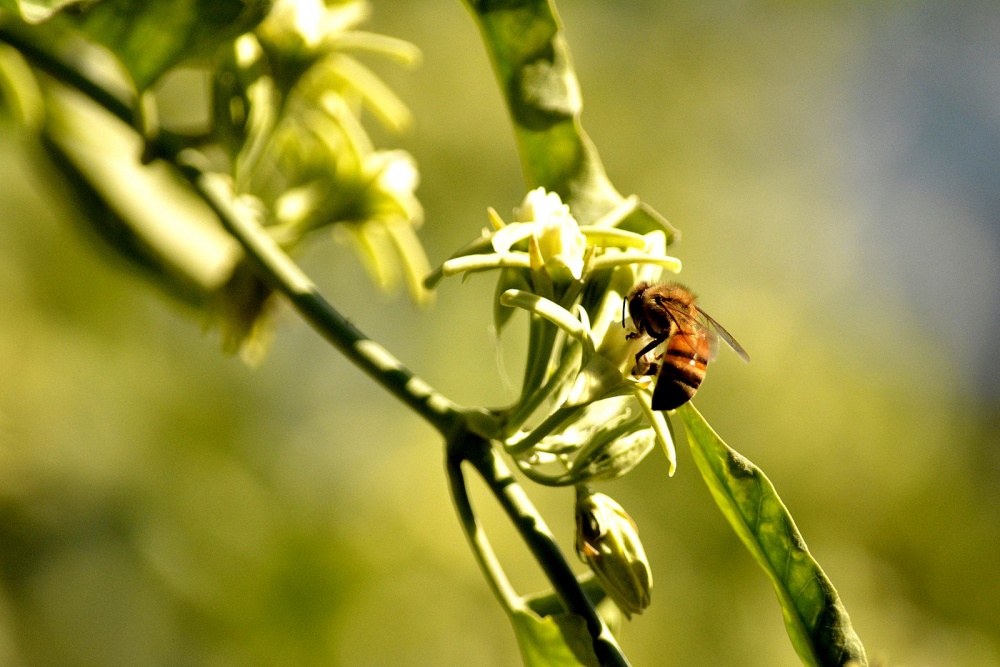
x,y
532,62
816,620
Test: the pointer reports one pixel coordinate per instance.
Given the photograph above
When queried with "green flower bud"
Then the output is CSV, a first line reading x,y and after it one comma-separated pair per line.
x,y
608,541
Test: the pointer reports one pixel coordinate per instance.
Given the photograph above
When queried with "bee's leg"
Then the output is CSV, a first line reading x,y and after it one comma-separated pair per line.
x,y
641,366
653,369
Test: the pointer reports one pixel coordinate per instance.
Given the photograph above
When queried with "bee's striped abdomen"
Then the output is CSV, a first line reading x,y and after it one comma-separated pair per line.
x,y
682,370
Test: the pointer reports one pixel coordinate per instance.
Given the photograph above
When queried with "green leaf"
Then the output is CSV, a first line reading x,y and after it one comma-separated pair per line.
x,y
35,11
561,640
150,36
532,61
815,618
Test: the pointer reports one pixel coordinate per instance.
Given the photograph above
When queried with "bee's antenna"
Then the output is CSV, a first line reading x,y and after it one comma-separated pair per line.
x,y
624,299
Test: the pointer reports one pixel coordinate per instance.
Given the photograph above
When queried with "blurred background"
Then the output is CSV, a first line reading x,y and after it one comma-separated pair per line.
x,y
835,174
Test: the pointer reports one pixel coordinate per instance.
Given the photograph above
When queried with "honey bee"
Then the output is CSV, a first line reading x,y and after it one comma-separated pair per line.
x,y
667,313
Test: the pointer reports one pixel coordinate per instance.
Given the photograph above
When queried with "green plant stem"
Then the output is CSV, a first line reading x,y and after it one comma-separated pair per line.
x,y
533,530
485,556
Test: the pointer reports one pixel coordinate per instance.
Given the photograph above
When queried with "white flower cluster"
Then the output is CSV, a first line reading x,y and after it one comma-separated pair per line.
x,y
580,410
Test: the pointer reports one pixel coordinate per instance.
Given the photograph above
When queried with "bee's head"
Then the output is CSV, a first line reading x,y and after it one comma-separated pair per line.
x,y
633,304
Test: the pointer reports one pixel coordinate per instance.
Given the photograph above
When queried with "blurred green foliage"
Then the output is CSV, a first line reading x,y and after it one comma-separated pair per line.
x,y
163,504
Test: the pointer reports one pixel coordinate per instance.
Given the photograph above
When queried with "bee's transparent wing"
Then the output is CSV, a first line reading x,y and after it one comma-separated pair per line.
x,y
718,331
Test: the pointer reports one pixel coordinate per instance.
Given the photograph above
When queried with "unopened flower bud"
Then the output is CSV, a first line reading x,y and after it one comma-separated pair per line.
x,y
608,541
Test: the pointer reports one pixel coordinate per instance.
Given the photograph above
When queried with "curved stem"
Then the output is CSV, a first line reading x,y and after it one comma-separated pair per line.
x,y
485,556
533,530
555,314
